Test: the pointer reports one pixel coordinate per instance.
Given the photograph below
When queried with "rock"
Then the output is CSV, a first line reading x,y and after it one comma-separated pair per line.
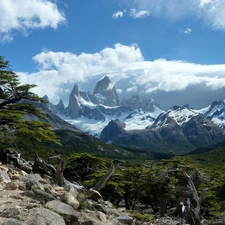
x,y
4,177
102,217
125,219
69,197
39,195
11,186
105,94
9,221
63,209
100,207
112,130
43,216
91,221
147,105
10,213
94,195
74,105
114,212
34,180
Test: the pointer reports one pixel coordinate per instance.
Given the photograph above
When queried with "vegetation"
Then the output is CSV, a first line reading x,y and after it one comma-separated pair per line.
x,y
159,186
15,102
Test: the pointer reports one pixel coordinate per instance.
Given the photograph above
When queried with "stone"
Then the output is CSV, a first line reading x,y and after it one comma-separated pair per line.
x,y
100,207
33,180
11,186
43,216
10,213
92,221
10,221
94,195
125,219
69,197
63,209
102,217
4,177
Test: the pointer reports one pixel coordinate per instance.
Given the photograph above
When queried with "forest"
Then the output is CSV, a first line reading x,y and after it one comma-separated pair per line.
x,y
191,186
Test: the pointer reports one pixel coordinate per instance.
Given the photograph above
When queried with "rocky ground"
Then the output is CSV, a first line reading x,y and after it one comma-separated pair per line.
x,y
34,200
29,199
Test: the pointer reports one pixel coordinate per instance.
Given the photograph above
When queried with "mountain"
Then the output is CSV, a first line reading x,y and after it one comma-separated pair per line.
x,y
215,112
75,140
179,129
142,124
92,112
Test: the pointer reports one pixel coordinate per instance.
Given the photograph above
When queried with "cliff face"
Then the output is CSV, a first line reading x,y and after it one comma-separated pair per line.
x,y
105,94
74,105
85,104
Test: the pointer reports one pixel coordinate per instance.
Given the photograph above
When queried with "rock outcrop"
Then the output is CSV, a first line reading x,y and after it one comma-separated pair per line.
x,y
74,105
112,130
104,94
147,105
85,104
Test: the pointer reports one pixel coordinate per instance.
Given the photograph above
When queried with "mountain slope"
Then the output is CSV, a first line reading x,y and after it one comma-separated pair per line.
x,y
180,129
215,112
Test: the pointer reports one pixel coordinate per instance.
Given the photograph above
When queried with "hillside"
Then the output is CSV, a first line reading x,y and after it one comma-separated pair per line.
x,y
75,140
214,154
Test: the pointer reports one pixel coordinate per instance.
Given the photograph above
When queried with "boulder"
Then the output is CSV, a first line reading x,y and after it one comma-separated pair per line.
x,y
125,219
4,176
43,216
69,197
9,221
63,209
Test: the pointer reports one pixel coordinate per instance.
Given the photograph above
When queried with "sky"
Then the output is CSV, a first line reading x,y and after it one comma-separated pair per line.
x,y
172,51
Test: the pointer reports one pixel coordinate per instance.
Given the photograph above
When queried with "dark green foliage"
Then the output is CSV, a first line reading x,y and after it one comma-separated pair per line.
x,y
85,168
15,101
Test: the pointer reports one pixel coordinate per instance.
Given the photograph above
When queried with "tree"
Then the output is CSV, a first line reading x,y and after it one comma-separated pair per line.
x,y
16,100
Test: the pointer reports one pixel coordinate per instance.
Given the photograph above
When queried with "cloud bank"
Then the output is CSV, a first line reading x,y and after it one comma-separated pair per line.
x,y
23,16
163,80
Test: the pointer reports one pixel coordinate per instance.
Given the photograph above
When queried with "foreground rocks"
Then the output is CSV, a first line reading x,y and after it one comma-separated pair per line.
x,y
34,200
29,199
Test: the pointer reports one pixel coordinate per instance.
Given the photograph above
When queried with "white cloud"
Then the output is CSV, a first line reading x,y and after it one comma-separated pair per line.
x,y
139,14
126,67
118,14
210,12
23,16
186,31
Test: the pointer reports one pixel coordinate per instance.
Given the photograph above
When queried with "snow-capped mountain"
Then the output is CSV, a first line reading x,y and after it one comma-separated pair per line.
x,y
215,112
142,123
180,129
92,112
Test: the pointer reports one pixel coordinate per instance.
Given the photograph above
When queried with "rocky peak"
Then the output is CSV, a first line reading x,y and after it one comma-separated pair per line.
x,y
60,106
216,113
74,105
112,130
147,105
105,94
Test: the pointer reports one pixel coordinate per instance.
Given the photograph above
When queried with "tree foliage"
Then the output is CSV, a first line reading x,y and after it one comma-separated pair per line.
x,y
16,100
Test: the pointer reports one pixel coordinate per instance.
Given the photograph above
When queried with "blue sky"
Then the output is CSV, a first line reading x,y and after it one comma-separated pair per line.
x,y
172,51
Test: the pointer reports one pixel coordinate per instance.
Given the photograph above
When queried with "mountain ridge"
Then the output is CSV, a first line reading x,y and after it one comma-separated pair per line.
x,y
145,124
